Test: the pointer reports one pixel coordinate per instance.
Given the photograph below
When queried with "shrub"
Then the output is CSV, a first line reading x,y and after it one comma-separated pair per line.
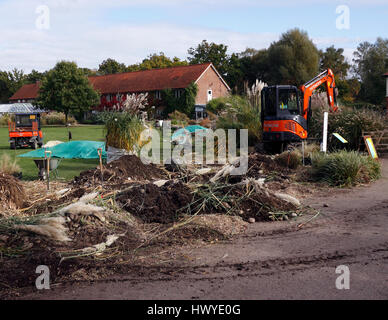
x,y
56,118
348,122
206,122
8,166
217,105
4,119
345,168
179,118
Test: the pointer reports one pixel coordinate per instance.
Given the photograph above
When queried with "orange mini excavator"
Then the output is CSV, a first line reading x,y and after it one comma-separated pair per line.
x,y
286,110
25,131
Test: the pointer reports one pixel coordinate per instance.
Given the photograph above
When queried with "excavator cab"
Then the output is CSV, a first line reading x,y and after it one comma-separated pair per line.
x,y
282,114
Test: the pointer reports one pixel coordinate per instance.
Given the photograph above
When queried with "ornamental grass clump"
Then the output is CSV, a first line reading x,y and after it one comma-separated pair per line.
x,y
344,168
123,130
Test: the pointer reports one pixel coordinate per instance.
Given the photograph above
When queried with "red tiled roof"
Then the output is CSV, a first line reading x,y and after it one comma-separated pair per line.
x,y
28,91
150,80
138,81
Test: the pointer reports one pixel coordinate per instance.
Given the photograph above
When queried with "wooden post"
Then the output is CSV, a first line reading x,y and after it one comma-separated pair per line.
x,y
100,155
48,167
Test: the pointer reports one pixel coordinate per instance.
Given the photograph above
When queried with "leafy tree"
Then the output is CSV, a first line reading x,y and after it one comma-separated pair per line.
x,y
371,62
335,60
10,82
66,89
111,66
158,61
210,52
89,72
234,75
348,89
294,59
254,65
34,76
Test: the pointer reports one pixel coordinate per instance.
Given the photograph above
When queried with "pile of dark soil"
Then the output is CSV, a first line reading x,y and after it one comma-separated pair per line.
x,y
258,162
259,166
241,200
260,205
156,204
12,193
126,168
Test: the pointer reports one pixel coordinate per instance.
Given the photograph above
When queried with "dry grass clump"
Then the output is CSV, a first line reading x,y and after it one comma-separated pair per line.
x,y
12,194
57,118
7,165
290,159
123,130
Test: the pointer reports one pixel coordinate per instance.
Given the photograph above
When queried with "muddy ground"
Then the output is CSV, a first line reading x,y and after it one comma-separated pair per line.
x,y
281,260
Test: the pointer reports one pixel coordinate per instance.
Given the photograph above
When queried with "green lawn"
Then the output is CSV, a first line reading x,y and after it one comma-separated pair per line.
x,y
68,169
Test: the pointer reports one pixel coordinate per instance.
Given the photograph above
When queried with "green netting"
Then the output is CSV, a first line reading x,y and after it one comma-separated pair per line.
x,y
71,150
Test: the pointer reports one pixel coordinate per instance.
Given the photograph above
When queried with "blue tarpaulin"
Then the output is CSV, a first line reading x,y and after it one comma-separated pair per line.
x,y
187,130
71,150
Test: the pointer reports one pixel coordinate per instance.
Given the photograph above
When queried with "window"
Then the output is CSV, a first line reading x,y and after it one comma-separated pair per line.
x,y
158,95
178,93
209,95
288,101
270,101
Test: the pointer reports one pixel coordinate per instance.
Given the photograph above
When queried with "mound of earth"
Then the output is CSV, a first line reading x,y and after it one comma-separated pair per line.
x,y
260,165
12,193
127,167
156,204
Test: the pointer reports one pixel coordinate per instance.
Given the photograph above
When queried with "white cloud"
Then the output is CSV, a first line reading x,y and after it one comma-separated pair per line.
x,y
77,34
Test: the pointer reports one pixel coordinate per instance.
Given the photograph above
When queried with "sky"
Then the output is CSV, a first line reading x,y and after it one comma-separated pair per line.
x,y
35,34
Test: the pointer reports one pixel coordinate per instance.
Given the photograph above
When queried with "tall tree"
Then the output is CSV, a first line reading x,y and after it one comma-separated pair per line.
x,y
34,76
111,66
210,52
254,65
371,62
294,59
66,89
158,61
335,60
10,82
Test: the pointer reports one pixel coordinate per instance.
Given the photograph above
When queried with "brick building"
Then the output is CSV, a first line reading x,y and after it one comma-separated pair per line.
x,y
116,86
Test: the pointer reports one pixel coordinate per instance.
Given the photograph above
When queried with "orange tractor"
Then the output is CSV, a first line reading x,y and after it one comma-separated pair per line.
x,y
25,131
286,110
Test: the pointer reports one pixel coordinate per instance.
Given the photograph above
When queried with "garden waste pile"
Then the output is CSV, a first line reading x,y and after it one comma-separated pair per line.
x,y
133,215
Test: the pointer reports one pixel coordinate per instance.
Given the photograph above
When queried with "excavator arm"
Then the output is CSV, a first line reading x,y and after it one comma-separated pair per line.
x,y
309,87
